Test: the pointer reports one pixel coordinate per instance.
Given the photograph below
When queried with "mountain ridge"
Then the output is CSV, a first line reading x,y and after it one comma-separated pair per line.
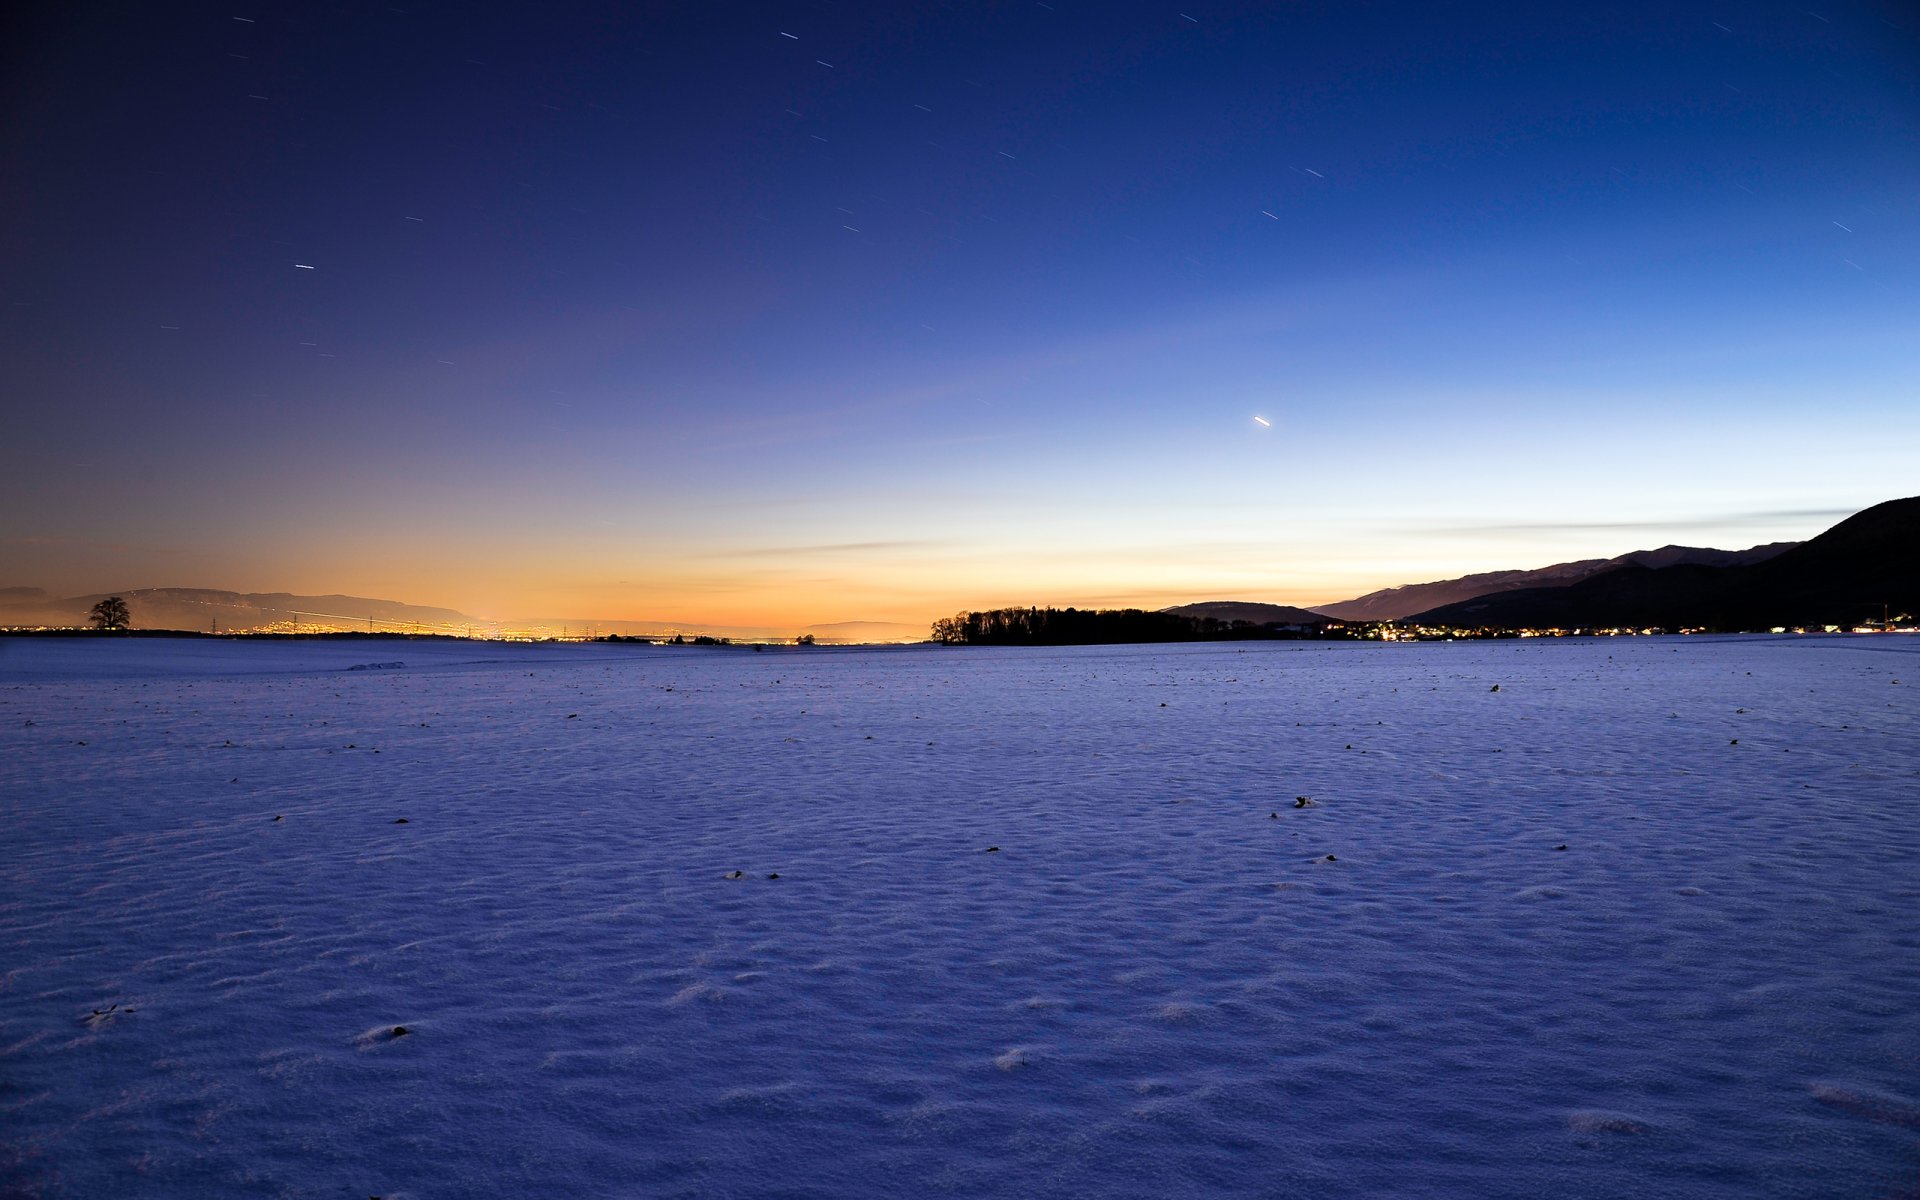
x,y
1861,568
1407,599
1251,611
216,608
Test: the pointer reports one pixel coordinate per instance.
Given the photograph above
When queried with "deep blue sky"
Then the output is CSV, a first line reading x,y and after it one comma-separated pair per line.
x,y
649,311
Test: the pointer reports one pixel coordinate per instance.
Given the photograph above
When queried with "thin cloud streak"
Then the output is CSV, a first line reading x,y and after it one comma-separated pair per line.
x,y
1725,520
830,548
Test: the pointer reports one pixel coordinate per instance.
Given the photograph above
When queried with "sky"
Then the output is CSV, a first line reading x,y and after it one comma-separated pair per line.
x,y
755,313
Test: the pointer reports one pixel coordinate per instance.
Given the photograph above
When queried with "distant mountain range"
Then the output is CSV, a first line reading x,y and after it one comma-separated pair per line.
x,y
1867,565
1391,604
1863,566
211,609
1249,611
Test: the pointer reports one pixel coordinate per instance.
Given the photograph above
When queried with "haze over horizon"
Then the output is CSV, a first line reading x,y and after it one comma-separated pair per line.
x,y
789,314
274,608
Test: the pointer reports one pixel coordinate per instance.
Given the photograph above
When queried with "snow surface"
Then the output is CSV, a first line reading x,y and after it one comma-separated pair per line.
x,y
1166,981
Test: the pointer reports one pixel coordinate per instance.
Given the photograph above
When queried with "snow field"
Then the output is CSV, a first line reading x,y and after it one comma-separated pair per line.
x,y
1046,922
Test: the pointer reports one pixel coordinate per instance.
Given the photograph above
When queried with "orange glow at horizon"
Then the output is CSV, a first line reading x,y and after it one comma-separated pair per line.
x,y
903,573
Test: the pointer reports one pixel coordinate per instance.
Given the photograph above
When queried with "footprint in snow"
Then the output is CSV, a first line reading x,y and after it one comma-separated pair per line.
x,y
1180,1012
1885,1110
1602,1121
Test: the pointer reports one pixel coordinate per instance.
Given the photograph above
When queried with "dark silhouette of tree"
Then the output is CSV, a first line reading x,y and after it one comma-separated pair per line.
x,y
1091,627
805,639
110,613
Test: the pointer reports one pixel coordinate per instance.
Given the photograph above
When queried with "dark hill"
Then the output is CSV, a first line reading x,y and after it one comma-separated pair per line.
x,y
1702,556
1391,604
1252,612
1846,575
201,608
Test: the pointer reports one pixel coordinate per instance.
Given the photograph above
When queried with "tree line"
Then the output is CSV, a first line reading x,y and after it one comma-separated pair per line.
x,y
1091,627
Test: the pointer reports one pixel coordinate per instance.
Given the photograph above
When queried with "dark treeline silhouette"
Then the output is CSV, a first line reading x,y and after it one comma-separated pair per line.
x,y
1098,627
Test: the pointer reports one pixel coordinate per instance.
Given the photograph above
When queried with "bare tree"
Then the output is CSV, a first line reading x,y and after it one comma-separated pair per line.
x,y
110,613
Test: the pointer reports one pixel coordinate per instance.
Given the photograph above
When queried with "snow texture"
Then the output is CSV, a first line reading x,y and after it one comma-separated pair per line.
x,y
598,921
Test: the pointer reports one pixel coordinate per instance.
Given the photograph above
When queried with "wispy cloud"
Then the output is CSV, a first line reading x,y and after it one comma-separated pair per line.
x,y
37,542
1716,521
829,548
